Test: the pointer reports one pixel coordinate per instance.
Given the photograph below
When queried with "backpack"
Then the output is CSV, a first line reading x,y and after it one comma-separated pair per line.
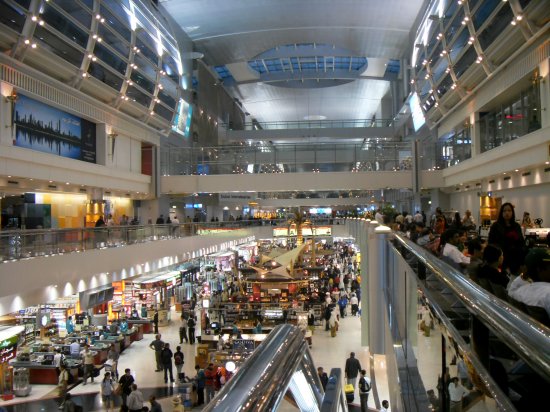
x,y
178,360
364,385
191,323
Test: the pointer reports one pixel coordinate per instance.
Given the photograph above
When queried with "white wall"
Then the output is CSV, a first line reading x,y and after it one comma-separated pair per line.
x,y
532,199
30,282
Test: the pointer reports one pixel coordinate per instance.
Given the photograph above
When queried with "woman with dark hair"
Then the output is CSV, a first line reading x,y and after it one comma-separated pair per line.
x,y
507,234
457,221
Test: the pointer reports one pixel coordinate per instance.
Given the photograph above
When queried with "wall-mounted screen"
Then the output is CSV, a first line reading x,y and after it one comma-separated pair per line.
x,y
417,114
50,130
182,120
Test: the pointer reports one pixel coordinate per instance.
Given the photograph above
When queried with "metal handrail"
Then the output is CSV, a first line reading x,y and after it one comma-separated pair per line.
x,y
310,124
527,337
262,381
334,400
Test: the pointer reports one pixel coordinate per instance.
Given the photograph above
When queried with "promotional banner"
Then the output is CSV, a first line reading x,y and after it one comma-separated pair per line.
x,y
50,130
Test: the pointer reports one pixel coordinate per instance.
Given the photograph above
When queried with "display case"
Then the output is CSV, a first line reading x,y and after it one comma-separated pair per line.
x,y
21,382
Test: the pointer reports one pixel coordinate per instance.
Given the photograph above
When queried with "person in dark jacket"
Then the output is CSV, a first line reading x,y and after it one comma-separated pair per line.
x,y
506,233
166,358
323,377
353,366
126,382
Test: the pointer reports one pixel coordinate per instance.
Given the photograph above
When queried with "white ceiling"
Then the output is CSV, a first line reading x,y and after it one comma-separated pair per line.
x,y
233,31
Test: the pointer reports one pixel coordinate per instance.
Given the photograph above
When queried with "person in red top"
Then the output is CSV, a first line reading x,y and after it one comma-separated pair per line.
x,y
211,376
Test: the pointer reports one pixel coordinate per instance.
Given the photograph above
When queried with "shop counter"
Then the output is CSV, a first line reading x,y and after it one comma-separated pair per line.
x,y
246,330
126,342
43,374
114,340
146,325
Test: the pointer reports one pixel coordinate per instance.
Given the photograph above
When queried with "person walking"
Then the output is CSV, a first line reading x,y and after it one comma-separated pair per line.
x,y
364,390
156,321
125,383
210,374
353,366
191,329
200,380
135,400
113,356
157,345
106,390
62,383
88,361
183,331
179,361
323,377
166,356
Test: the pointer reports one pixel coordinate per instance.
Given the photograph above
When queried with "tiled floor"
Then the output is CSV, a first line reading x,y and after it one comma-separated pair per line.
x,y
326,351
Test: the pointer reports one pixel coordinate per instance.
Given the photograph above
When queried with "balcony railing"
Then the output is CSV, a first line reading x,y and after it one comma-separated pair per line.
x,y
286,158
314,124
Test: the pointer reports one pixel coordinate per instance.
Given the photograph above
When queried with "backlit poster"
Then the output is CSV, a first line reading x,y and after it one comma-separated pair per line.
x,y
50,130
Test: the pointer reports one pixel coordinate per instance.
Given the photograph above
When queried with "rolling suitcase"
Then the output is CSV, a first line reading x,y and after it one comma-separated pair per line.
x,y
349,390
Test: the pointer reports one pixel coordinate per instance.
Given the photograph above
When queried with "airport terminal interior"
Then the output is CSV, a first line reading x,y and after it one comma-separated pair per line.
x,y
274,186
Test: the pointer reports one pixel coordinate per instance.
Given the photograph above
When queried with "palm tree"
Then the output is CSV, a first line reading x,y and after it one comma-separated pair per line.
x,y
298,220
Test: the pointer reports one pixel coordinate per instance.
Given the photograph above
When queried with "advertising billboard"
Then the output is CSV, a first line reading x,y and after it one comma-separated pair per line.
x,y
50,130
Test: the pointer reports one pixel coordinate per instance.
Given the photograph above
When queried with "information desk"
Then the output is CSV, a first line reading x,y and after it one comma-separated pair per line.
x,y
43,374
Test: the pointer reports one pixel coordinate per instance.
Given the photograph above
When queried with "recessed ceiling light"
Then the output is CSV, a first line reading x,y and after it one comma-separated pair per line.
x,y
67,183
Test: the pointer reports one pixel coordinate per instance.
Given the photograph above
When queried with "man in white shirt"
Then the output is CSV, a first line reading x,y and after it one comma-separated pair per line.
x,y
74,348
451,251
456,393
135,400
418,218
536,293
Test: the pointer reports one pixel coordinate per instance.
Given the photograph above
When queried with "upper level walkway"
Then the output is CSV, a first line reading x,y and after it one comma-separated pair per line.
x,y
345,128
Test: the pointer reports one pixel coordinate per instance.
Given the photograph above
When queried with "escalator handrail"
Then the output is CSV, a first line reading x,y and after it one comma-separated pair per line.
x,y
527,337
261,382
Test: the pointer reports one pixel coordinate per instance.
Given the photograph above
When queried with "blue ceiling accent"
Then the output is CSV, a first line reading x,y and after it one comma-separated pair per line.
x,y
307,57
392,69
223,73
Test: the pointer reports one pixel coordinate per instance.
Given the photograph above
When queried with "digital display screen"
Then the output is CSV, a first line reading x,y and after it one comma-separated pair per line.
x,y
417,114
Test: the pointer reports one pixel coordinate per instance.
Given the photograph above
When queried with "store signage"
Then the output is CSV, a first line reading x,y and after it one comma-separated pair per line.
x,y
8,348
243,344
50,130
317,231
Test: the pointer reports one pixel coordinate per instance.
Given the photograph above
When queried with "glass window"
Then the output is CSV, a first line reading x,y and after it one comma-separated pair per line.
x,y
163,112
473,4
59,47
465,61
166,98
144,22
120,23
23,3
433,39
458,45
422,55
451,9
445,85
170,67
58,21
524,3
88,3
436,53
439,69
75,11
454,26
12,17
110,58
497,25
143,42
138,96
114,41
145,66
142,81
105,75
484,11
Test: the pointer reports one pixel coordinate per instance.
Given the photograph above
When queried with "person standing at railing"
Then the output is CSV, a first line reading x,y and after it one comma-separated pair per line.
x,y
160,220
456,393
